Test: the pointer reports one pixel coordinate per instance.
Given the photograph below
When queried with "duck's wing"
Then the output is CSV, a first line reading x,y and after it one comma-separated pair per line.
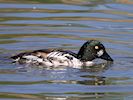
x,y
48,57
32,55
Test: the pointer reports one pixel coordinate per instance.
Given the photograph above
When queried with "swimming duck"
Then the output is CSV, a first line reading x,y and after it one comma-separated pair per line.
x,y
89,51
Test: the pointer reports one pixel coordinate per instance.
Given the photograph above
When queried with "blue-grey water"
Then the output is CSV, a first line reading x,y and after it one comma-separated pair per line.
x,y
38,24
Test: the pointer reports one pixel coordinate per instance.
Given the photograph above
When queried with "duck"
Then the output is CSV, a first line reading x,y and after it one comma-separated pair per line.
x,y
90,50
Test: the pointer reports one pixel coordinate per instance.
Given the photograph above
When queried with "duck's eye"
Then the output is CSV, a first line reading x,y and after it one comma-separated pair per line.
x,y
96,47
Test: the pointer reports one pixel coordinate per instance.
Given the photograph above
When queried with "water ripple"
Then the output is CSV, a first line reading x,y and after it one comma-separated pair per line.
x,y
30,25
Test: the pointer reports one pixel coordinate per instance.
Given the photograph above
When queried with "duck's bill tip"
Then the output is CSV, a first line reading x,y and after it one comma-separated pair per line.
x,y
107,57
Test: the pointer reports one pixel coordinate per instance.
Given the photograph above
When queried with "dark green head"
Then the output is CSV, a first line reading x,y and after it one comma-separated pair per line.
x,y
93,49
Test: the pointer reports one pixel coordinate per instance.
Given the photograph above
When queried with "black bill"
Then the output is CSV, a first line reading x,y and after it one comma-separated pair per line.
x,y
106,56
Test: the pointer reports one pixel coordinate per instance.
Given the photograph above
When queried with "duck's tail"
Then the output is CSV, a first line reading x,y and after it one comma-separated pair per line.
x,y
20,58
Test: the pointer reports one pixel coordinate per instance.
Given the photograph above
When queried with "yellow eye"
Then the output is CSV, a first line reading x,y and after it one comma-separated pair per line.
x,y
96,47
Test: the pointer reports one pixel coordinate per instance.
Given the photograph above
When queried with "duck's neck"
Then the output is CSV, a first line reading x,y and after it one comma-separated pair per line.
x,y
85,53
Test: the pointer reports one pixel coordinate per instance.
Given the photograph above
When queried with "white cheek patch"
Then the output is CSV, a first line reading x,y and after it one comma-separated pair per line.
x,y
100,53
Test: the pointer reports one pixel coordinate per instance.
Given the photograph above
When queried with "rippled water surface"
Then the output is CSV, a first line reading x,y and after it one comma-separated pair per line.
x,y
38,24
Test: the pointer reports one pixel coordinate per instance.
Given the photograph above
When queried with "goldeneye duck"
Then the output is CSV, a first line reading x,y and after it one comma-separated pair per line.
x,y
89,51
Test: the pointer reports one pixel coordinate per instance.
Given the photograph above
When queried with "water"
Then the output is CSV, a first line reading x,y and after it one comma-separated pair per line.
x,y
31,24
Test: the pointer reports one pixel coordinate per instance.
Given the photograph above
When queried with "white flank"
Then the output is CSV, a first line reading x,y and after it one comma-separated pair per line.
x,y
58,59
61,59
30,57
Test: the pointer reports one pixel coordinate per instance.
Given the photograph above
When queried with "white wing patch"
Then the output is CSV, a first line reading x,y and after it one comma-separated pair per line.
x,y
32,59
64,59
